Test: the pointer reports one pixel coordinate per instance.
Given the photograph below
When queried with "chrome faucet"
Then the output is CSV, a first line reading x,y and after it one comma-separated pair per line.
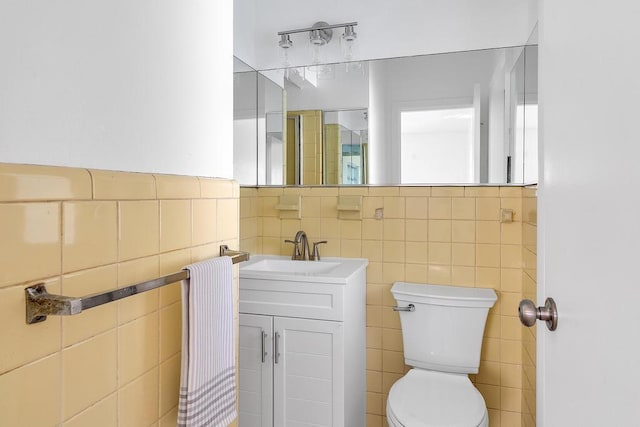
x,y
298,253
304,254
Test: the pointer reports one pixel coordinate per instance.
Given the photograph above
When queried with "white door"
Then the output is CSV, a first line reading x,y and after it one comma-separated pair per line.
x,y
308,373
588,213
255,371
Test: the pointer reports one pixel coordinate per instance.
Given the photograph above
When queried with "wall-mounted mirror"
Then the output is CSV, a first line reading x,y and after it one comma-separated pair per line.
x,y
456,118
245,125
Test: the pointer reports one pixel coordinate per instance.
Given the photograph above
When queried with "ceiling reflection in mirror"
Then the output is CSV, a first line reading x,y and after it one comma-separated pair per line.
x,y
456,118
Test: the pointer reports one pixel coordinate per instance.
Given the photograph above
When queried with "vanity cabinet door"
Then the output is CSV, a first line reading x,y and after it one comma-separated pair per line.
x,y
308,373
255,371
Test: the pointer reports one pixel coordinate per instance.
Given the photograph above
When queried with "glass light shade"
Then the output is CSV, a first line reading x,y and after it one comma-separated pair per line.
x,y
316,53
348,43
284,57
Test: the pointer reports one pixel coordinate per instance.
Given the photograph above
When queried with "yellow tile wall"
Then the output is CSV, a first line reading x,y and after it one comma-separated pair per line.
x,y
312,145
439,235
87,231
529,290
332,158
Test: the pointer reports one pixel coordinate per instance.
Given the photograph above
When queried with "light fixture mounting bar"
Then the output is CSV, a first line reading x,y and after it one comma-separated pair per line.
x,y
324,27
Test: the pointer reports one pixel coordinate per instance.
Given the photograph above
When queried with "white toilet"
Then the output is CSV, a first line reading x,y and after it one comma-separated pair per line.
x,y
442,328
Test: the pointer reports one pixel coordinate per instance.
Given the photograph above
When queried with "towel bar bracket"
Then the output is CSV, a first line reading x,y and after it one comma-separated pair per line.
x,y
236,256
41,303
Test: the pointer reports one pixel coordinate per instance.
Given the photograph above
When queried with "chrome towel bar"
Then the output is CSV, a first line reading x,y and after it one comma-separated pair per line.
x,y
40,303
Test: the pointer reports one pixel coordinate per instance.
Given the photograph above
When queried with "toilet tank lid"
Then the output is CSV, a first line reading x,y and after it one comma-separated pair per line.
x,y
444,295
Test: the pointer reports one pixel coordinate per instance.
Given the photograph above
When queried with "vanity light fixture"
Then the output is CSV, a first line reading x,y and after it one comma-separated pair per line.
x,y
320,34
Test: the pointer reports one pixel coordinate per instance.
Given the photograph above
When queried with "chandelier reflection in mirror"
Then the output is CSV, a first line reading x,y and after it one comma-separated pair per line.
x,y
320,34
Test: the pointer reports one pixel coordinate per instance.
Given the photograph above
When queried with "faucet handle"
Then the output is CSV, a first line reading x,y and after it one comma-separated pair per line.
x,y
296,248
315,254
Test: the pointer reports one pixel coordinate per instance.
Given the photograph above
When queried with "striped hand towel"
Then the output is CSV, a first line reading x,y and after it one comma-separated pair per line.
x,y
207,383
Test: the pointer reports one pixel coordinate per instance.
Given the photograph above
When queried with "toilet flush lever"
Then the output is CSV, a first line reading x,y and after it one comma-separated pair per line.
x,y
529,313
410,307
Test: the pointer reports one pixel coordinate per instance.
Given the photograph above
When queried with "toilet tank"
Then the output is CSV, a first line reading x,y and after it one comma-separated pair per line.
x,y
444,332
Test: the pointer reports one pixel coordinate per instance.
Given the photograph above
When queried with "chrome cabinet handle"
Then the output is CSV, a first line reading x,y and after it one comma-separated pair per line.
x,y
410,307
276,350
264,350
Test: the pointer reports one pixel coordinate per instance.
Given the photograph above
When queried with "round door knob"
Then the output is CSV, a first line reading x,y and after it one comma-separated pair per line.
x,y
529,313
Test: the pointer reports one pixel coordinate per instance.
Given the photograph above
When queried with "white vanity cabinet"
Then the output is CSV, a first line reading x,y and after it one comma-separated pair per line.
x,y
302,349
302,386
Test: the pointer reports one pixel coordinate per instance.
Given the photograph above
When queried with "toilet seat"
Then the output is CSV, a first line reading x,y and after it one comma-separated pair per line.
x,y
435,399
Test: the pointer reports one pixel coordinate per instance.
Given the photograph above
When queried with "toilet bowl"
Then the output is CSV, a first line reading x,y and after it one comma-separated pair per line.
x,y
442,329
433,399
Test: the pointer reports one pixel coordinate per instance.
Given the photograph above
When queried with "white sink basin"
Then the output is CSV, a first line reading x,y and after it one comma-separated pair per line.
x,y
295,267
328,270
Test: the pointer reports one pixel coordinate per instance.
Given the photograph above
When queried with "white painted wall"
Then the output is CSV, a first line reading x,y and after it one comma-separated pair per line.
x,y
385,29
437,158
140,86
245,128
245,21
245,154
588,371
270,106
530,148
497,132
379,127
